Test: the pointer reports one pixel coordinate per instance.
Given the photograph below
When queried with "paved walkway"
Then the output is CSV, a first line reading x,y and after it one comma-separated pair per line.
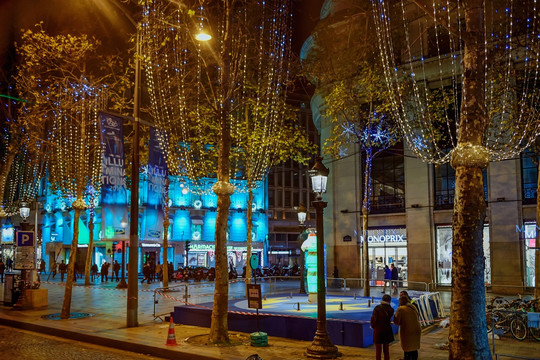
x,y
107,327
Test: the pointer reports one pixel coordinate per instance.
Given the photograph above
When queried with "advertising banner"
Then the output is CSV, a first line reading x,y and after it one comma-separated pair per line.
x,y
157,188
114,211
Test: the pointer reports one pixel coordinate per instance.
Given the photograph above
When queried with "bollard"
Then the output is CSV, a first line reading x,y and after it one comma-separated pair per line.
x,y
290,295
369,303
372,300
297,306
341,306
264,297
354,296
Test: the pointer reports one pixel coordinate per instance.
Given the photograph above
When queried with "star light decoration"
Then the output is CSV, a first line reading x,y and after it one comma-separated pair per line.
x,y
512,57
186,89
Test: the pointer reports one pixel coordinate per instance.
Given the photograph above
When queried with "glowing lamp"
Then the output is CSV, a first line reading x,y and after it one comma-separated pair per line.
x,y
202,36
302,212
24,211
319,175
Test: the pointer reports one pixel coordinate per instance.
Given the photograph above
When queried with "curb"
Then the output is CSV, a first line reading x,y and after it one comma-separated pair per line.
x,y
107,342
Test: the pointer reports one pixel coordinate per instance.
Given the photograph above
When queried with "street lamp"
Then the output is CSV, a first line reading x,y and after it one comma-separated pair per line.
x,y
321,347
24,211
302,212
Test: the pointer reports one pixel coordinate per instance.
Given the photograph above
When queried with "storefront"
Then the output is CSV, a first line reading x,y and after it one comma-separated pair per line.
x,y
444,254
387,246
203,254
7,248
528,234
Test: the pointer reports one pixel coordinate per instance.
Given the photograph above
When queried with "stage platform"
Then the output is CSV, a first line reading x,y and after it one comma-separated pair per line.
x,y
280,317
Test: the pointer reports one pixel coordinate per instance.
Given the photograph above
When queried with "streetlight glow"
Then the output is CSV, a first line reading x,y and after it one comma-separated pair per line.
x,y
202,36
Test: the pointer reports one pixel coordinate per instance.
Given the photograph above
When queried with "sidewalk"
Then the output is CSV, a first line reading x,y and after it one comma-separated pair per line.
x,y
107,327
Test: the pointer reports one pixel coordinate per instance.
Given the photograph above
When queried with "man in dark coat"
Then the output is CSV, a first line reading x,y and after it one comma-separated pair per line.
x,y
116,269
382,329
62,268
105,271
395,278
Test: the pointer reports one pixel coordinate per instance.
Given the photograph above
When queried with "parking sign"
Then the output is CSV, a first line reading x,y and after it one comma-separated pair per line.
x,y
25,238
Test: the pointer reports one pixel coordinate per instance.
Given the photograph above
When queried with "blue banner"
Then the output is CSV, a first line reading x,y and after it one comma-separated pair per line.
x,y
114,211
157,187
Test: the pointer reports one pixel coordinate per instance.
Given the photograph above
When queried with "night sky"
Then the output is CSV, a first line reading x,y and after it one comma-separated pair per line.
x,y
100,18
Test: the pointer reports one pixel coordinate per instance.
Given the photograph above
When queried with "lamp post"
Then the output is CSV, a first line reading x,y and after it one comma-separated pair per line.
x,y
321,347
302,212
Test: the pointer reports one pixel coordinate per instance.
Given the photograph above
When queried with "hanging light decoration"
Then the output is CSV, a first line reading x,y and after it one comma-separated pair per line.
x,y
425,77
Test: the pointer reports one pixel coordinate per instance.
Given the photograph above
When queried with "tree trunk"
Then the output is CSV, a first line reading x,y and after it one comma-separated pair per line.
x,y
249,227
165,263
468,335
90,248
365,213
537,242
223,189
66,306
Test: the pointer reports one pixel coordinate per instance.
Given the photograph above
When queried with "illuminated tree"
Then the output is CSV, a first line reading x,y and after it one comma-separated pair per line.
x,y
464,58
260,146
357,106
198,91
59,75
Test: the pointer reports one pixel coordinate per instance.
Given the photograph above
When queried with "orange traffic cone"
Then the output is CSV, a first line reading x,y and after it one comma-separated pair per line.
x,y
171,337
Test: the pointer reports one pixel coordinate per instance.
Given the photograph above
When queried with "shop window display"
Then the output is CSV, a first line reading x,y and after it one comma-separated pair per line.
x,y
444,255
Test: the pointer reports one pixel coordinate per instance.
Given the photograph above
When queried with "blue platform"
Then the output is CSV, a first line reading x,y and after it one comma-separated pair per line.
x,y
280,317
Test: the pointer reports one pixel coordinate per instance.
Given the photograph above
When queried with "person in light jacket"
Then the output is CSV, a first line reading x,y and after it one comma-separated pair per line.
x,y
410,331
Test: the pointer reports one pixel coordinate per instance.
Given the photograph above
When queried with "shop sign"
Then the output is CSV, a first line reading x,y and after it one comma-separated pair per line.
x,y
211,247
386,236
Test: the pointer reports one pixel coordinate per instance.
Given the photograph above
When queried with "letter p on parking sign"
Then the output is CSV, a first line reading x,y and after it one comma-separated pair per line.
x,y
25,238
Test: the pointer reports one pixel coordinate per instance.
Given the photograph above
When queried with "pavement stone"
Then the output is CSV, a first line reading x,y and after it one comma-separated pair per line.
x,y
107,327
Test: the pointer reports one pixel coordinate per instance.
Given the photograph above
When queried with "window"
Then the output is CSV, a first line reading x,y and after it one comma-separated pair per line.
x,y
388,182
287,202
445,183
529,178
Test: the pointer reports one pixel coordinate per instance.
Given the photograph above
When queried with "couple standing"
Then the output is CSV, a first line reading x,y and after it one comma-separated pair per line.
x,y
406,317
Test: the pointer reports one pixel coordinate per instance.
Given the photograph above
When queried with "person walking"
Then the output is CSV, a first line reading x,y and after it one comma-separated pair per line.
x,y
382,328
2,270
387,277
116,270
54,266
147,273
394,279
410,331
158,272
42,267
104,271
93,272
62,267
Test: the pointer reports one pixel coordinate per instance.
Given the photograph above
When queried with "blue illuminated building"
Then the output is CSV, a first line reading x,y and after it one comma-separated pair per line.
x,y
192,216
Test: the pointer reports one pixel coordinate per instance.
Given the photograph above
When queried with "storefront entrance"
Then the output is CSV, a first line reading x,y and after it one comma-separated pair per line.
x,y
386,247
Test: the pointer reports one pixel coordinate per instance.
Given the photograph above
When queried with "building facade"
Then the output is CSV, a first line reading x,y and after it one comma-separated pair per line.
x,y
410,223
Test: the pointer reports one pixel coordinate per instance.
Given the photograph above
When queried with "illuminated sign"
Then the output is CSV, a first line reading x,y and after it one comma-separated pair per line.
x,y
211,247
397,235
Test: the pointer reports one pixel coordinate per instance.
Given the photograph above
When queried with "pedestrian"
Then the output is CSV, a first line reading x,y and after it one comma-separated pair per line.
x,y
394,279
406,318
42,267
382,327
335,274
62,267
170,270
116,270
2,269
158,272
93,272
53,268
147,273
411,301
104,272
387,277
9,265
